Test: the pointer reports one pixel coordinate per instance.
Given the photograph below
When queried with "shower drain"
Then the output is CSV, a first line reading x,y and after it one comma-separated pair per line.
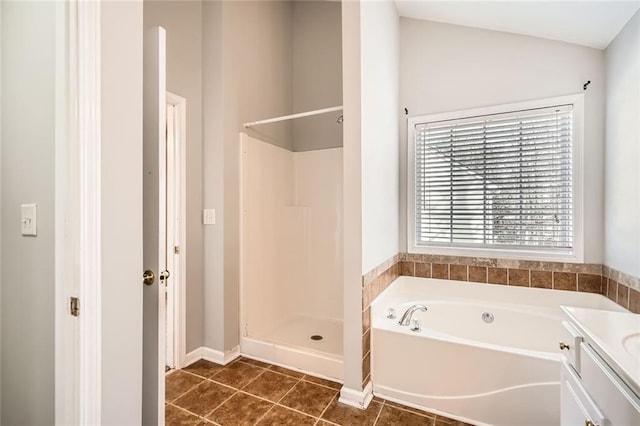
x,y
487,317
316,337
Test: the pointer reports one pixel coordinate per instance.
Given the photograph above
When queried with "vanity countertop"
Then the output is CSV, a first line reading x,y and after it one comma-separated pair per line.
x,y
616,336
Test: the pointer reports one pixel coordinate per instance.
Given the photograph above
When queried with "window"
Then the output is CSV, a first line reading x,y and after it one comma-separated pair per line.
x,y
499,182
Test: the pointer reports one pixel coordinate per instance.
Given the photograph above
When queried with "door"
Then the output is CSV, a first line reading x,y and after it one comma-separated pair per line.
x,y
154,228
171,201
176,211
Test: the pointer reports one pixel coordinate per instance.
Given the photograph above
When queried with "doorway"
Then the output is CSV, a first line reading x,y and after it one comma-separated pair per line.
x,y
174,320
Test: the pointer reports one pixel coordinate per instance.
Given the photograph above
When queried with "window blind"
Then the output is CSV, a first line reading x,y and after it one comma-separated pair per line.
x,y
500,180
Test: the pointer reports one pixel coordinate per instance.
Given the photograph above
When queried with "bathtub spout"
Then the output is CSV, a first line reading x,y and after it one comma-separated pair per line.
x,y
408,314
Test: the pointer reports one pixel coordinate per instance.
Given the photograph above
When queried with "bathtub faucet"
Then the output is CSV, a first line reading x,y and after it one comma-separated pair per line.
x,y
406,317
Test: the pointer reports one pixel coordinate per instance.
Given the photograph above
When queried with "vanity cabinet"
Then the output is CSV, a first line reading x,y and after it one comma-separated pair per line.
x,y
592,392
577,406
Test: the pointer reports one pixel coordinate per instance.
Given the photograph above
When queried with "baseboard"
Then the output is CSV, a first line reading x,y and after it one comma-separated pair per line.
x,y
220,357
355,398
193,356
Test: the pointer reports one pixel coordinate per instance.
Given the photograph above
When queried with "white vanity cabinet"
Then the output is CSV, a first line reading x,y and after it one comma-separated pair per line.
x,y
595,389
577,407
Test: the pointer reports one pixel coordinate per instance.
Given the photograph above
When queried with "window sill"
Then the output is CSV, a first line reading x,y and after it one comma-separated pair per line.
x,y
533,255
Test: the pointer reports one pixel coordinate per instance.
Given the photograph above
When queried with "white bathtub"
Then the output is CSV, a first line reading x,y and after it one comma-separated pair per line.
x,y
506,372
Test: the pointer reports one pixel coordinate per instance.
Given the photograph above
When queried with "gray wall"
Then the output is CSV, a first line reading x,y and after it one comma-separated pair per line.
x,y
247,68
28,136
622,151
121,204
183,22
317,73
448,68
213,163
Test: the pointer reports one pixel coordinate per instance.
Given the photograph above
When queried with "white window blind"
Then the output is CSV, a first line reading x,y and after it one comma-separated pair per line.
x,y
498,181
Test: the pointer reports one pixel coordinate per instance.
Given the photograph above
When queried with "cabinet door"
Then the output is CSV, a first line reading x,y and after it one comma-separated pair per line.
x,y
613,396
577,408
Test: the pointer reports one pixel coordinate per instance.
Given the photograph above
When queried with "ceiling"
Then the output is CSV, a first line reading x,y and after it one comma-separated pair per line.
x,y
588,23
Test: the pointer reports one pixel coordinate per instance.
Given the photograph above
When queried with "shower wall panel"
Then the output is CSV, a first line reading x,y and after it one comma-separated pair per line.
x,y
267,243
291,235
318,180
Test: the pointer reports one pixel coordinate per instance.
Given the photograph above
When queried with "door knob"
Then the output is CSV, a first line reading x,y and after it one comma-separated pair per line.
x,y
148,277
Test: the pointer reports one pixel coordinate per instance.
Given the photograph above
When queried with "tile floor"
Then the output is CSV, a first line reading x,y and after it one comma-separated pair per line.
x,y
249,392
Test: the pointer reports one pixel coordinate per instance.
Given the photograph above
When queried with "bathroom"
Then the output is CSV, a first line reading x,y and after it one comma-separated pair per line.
x,y
344,231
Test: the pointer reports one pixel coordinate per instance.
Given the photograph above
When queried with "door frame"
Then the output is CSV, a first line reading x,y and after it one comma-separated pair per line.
x,y
177,180
77,213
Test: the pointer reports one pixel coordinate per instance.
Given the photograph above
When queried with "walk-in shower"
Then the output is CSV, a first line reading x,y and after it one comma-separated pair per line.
x,y
291,273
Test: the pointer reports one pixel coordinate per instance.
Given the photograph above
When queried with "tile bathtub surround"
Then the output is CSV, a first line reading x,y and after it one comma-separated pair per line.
x,y
276,396
622,288
374,283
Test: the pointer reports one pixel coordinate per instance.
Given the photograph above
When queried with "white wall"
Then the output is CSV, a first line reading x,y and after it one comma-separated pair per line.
x,y
447,68
352,196
183,22
622,151
380,157
28,137
121,203
370,167
317,73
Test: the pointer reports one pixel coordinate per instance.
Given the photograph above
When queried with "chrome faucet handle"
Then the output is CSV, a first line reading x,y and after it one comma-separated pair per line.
x,y
415,326
391,313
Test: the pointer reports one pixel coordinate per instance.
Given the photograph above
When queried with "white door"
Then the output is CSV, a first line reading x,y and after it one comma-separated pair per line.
x,y
171,201
154,228
176,211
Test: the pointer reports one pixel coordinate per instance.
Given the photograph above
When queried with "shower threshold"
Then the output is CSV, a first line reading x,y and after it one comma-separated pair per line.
x,y
311,345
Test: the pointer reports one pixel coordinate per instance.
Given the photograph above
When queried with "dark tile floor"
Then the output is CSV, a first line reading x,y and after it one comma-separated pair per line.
x,y
249,392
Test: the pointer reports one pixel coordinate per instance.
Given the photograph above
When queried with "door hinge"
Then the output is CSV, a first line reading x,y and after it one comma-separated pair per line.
x,y
176,250
74,306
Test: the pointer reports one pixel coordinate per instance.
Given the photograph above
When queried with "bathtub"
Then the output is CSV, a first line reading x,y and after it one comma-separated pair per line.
x,y
485,354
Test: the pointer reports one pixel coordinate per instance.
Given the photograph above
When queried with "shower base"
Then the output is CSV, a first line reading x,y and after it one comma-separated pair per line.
x,y
290,344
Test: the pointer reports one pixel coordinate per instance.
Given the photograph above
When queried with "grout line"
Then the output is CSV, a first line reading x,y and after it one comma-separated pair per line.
x,y
275,403
319,384
187,391
220,405
254,379
289,391
223,384
325,408
252,365
183,409
198,375
379,412
191,412
264,415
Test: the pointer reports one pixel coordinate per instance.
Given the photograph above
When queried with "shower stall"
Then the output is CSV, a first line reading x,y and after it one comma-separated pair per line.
x,y
291,238
291,251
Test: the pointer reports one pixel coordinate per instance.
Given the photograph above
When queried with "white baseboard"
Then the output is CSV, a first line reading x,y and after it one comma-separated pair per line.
x,y
355,398
192,357
219,357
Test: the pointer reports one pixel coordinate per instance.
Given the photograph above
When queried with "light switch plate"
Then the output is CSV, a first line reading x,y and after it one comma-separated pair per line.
x,y
28,220
209,216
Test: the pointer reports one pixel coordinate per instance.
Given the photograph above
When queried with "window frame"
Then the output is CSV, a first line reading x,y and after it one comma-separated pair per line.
x,y
574,255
